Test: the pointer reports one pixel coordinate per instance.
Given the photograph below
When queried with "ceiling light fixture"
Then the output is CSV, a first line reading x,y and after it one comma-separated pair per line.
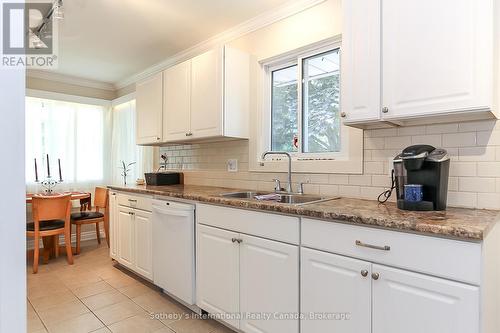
x,y
57,10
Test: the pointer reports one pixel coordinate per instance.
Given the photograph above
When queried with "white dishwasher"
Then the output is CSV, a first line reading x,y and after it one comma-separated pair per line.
x,y
173,249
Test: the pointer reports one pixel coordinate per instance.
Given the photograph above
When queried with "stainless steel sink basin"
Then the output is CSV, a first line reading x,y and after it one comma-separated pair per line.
x,y
293,199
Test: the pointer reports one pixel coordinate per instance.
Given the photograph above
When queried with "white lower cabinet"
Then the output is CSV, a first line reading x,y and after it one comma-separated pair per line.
x,y
269,280
381,299
244,277
126,239
143,244
414,303
133,237
113,216
218,272
335,293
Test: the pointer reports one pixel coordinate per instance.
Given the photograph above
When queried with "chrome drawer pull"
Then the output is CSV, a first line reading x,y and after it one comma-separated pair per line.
x,y
132,200
376,247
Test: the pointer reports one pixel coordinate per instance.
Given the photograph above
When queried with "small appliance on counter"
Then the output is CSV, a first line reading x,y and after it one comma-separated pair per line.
x,y
163,178
420,177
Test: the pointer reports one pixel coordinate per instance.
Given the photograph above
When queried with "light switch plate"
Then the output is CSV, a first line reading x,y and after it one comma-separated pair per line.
x,y
232,165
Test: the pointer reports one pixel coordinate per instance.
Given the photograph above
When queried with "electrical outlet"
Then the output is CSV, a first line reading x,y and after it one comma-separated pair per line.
x,y
232,165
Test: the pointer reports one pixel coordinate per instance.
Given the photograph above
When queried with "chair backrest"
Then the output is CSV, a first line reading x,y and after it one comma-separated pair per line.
x,y
46,208
101,198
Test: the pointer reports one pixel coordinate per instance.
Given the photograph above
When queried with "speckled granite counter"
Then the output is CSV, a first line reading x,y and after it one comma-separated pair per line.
x,y
458,223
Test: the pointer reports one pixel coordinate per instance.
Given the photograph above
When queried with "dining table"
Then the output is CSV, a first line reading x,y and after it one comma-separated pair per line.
x,y
85,199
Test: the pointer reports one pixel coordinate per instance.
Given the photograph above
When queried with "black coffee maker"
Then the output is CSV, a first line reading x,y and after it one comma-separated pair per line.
x,y
421,178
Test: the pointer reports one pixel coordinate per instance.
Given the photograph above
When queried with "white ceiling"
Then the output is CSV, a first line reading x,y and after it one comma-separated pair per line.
x,y
111,40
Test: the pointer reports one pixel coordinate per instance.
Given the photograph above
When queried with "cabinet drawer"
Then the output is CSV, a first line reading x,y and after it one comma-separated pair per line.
x,y
135,201
272,226
455,260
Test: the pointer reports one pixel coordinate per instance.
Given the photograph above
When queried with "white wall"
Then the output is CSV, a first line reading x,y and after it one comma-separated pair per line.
x,y
12,202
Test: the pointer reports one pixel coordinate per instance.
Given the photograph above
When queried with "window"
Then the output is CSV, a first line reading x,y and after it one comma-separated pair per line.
x,y
71,132
124,148
305,118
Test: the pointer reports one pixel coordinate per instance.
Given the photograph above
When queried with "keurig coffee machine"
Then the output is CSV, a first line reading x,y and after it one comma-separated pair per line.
x,y
421,178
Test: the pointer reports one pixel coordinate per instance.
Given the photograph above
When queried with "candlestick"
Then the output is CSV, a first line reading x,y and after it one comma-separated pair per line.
x,y
48,166
36,172
60,174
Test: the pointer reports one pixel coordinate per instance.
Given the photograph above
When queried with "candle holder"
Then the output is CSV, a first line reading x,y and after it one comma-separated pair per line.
x,y
49,184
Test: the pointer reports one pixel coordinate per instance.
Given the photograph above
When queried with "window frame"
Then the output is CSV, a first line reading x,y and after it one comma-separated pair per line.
x,y
350,161
297,59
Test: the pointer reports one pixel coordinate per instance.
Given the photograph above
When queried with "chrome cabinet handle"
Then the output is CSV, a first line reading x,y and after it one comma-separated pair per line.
x,y
385,109
189,134
364,273
131,213
239,240
376,247
343,114
375,276
234,240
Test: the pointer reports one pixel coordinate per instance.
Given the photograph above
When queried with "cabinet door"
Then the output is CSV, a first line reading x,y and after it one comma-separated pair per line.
x,y
206,94
217,282
269,283
143,244
414,303
126,239
113,224
149,109
337,286
176,103
437,56
360,61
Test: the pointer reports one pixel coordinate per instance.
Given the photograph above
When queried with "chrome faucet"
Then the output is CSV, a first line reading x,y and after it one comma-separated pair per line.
x,y
289,187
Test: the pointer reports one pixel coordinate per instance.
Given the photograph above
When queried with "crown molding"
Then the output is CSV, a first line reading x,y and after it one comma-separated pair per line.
x,y
288,9
68,79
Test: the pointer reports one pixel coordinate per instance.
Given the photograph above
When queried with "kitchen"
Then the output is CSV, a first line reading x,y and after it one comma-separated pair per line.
x,y
271,166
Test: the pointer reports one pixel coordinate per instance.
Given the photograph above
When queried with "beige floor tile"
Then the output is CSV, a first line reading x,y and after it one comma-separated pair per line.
x,y
102,330
62,312
34,324
53,299
117,312
161,305
45,289
219,328
80,280
164,330
99,301
142,323
121,281
137,289
92,289
193,326
84,323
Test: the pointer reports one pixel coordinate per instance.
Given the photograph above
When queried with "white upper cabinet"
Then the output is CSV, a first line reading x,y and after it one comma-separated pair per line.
x,y
207,94
360,61
206,97
177,101
414,62
149,110
414,303
437,57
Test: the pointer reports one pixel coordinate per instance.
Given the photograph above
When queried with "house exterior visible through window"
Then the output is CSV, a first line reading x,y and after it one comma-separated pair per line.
x,y
305,104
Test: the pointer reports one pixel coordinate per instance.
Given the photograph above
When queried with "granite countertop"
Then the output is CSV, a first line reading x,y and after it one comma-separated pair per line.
x,y
457,223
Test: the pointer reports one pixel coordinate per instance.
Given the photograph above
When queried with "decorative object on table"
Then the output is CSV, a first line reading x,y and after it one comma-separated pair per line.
x,y
125,171
140,181
163,178
420,177
49,183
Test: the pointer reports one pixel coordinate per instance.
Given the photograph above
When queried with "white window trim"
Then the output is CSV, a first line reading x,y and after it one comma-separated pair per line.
x,y
349,160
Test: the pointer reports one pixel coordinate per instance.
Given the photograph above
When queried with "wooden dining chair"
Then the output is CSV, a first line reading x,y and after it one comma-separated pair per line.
x,y
51,218
99,215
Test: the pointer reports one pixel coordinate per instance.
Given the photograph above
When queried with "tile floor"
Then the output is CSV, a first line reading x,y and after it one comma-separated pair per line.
x,y
96,295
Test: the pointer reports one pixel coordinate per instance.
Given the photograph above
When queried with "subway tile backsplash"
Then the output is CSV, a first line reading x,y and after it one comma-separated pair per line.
x,y
474,174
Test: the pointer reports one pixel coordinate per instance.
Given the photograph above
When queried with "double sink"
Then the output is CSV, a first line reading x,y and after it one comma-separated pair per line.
x,y
287,198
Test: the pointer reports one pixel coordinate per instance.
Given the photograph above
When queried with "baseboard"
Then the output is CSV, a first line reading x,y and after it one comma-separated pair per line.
x,y
86,235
